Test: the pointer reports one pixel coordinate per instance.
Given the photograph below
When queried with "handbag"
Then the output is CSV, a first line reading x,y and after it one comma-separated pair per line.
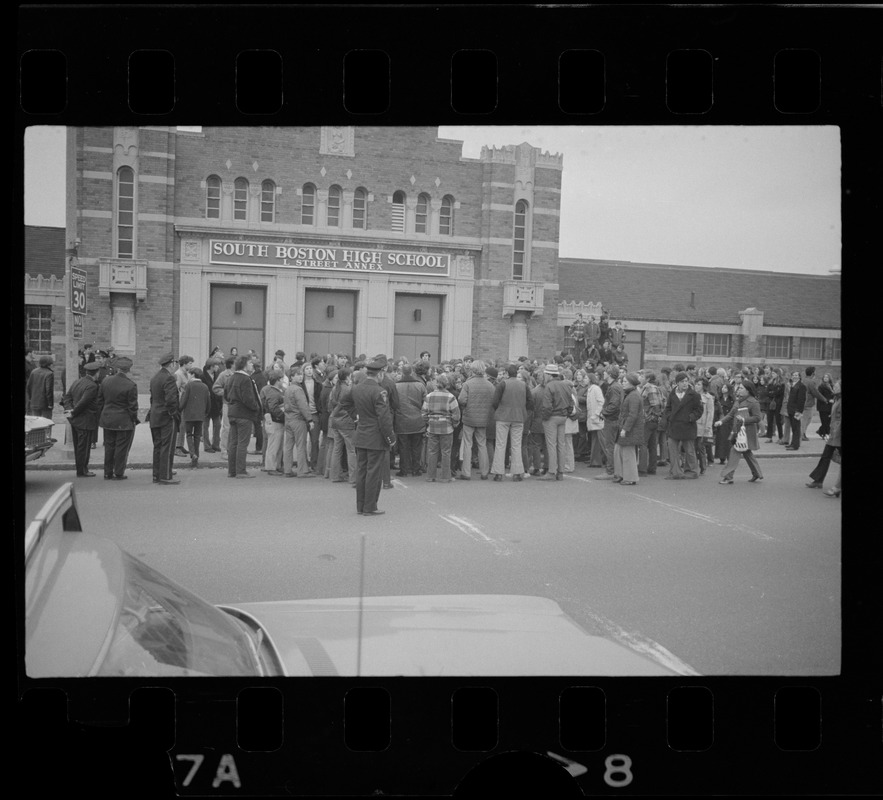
x,y
741,443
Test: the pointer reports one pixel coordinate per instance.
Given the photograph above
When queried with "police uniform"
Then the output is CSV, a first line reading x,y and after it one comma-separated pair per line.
x,y
389,385
164,416
368,405
83,402
119,416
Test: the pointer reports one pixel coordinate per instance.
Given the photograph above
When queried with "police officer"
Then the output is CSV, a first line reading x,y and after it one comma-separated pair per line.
x,y
164,417
82,407
119,416
368,405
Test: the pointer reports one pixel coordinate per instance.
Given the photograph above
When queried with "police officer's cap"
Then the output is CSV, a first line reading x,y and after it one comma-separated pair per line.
x,y
377,363
92,366
124,363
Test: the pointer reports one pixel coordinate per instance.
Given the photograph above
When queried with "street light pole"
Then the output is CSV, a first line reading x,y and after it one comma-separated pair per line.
x,y
71,258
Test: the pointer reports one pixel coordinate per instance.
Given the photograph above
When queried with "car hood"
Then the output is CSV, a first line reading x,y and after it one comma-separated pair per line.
x,y
439,635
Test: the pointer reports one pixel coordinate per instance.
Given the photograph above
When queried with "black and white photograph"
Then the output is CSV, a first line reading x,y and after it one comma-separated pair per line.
x,y
614,317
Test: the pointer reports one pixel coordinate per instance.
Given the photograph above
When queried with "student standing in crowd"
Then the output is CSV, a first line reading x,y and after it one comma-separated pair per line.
x,y
556,407
441,412
182,378
682,411
705,426
273,406
826,389
210,373
244,407
610,413
218,388
722,432
795,405
475,400
512,404
652,406
775,391
409,423
195,404
832,445
344,428
298,419
40,389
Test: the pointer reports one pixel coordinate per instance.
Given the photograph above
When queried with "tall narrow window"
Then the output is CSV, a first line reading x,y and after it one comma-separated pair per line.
x,y
213,197
268,201
240,199
446,216
308,205
38,328
421,222
333,215
398,212
360,209
126,213
519,237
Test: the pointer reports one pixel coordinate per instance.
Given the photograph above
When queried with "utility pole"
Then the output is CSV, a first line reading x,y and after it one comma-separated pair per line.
x,y
71,265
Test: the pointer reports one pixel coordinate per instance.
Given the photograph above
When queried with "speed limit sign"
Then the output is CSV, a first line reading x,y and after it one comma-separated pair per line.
x,y
78,290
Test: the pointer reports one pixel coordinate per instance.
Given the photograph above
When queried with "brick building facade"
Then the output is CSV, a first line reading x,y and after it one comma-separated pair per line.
x,y
368,240
333,239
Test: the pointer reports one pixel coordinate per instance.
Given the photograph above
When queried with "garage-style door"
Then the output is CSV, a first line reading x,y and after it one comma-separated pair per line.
x,y
329,322
238,319
417,326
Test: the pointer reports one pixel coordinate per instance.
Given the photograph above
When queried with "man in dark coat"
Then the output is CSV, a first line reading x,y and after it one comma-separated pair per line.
x,y
119,416
164,416
243,410
82,407
610,414
368,405
795,405
682,411
40,389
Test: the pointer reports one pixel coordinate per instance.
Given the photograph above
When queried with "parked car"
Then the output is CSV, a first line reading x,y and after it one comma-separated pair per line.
x,y
38,437
92,609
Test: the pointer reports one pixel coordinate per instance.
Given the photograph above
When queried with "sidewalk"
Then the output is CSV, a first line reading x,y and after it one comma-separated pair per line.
x,y
61,455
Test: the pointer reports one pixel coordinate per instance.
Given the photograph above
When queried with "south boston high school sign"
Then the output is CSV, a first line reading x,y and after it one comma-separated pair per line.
x,y
348,259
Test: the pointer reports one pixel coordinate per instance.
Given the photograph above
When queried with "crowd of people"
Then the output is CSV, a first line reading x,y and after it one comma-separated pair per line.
x,y
462,419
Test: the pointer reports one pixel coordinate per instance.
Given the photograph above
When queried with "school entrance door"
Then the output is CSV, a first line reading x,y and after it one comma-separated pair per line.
x,y
238,315
329,322
418,323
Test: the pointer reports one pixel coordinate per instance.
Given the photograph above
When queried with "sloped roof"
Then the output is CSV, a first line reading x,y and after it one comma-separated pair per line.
x,y
662,292
44,251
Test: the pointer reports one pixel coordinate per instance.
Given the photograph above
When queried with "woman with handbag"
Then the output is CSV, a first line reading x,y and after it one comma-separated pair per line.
x,y
745,414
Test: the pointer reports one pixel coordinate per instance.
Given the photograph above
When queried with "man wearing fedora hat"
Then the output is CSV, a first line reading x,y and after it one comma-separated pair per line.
x,y
368,405
164,416
119,416
81,407
557,406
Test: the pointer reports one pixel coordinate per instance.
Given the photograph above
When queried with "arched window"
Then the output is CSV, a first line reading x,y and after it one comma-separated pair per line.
x,y
308,205
360,208
446,216
268,201
421,221
125,213
519,238
240,199
213,197
333,215
398,212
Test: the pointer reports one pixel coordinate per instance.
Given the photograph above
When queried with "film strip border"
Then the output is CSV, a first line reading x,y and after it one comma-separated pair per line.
x,y
487,65
442,737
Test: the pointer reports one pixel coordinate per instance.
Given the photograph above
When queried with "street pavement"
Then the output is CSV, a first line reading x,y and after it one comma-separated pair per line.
x,y
61,455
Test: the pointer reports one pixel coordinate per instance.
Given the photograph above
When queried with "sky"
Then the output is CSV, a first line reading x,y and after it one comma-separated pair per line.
x,y
745,197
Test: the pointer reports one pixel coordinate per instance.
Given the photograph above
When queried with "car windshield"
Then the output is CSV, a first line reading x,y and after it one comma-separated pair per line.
x,y
164,631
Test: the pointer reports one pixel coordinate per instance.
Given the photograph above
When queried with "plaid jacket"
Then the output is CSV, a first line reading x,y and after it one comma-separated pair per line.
x,y
441,412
